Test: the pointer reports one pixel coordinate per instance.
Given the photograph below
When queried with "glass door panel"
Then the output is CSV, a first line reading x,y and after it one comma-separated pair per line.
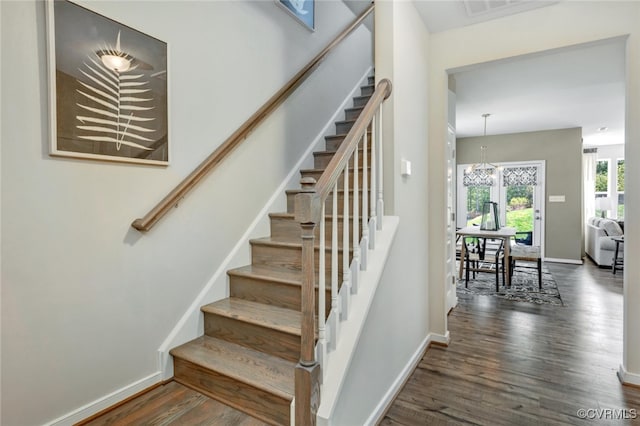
x,y
520,212
476,197
520,201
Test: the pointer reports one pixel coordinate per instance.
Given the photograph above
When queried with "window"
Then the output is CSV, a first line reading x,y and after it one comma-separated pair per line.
x,y
620,188
602,183
610,188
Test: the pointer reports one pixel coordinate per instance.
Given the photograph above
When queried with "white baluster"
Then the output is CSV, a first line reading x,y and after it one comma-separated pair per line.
x,y
380,201
372,219
346,272
365,203
356,228
335,308
322,338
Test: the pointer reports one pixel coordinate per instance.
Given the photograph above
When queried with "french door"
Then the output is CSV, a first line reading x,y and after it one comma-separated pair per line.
x,y
519,190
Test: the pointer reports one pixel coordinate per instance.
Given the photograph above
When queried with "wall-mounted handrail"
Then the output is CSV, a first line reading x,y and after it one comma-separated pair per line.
x,y
146,222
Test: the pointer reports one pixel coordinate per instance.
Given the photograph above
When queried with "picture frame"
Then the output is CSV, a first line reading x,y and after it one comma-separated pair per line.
x,y
108,91
302,10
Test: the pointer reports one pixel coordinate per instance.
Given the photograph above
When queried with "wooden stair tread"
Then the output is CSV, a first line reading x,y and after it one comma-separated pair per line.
x,y
345,121
320,153
267,273
258,369
341,134
322,170
340,191
272,273
289,242
292,216
268,316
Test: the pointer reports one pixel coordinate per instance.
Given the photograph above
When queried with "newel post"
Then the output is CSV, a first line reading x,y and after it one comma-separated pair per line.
x,y
307,374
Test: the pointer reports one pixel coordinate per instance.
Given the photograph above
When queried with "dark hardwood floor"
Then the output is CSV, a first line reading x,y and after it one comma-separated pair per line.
x,y
176,405
513,363
508,363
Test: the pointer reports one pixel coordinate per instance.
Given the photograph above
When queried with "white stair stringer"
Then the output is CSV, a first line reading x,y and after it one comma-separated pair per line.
x,y
338,360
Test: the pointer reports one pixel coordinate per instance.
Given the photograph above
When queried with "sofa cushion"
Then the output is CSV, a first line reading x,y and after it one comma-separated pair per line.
x,y
611,228
606,243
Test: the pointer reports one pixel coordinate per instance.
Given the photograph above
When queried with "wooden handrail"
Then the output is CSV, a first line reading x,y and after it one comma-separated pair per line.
x,y
309,211
146,222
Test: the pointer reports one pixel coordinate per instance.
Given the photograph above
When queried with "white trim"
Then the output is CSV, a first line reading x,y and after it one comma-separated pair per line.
x,y
106,401
570,261
190,326
339,360
627,378
440,338
292,413
397,385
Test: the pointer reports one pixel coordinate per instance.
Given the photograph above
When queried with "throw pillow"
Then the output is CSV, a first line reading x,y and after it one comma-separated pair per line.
x,y
611,228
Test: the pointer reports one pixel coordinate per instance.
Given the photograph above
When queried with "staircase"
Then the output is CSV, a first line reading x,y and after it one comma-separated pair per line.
x,y
251,342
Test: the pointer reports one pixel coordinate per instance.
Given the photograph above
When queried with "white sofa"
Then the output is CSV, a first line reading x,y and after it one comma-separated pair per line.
x,y
599,245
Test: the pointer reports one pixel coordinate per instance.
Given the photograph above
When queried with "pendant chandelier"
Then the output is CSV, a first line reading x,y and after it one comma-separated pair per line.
x,y
483,170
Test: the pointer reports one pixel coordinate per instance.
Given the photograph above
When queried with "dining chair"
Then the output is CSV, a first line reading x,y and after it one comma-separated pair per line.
x,y
484,255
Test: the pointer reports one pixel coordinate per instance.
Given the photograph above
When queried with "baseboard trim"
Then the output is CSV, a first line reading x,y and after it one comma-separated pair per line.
x,y
190,325
570,261
440,339
109,401
627,378
395,388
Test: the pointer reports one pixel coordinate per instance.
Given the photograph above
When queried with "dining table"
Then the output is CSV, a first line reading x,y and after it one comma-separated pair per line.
x,y
505,233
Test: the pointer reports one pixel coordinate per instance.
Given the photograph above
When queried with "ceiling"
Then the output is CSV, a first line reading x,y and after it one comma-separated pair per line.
x,y
582,86
442,15
577,87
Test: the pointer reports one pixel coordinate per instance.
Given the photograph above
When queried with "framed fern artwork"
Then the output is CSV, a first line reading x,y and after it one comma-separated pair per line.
x,y
108,88
303,10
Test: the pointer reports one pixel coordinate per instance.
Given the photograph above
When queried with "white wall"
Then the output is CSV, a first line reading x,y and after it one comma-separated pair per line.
x,y
614,152
560,25
398,322
87,300
1,293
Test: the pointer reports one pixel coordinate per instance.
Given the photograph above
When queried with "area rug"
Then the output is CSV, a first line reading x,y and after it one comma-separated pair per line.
x,y
524,287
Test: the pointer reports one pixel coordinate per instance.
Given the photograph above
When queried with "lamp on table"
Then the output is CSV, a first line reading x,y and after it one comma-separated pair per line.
x,y
604,204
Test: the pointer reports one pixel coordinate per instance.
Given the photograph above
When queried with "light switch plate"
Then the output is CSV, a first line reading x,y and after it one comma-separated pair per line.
x,y
405,168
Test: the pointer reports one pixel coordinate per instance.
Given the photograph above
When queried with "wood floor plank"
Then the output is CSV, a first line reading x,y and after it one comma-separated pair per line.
x,y
512,363
173,404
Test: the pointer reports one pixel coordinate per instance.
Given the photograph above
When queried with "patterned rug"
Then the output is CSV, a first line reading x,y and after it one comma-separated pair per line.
x,y
524,287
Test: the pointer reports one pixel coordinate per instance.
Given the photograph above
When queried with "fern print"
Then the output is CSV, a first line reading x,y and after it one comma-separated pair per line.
x,y
117,100
108,97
